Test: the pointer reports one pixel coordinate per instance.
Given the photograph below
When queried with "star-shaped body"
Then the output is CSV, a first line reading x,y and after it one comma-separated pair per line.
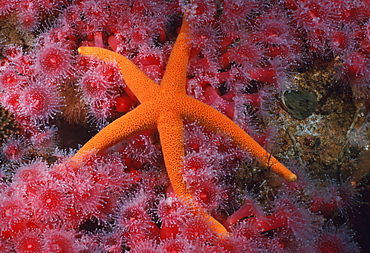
x,y
164,107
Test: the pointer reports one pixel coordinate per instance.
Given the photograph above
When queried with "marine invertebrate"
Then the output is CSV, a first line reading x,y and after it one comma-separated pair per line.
x,y
6,7
60,240
14,149
100,88
39,101
335,197
172,212
10,79
30,177
135,222
234,13
175,245
44,139
274,31
29,241
168,104
54,61
87,195
332,239
13,211
128,209
248,209
314,17
356,68
28,15
50,201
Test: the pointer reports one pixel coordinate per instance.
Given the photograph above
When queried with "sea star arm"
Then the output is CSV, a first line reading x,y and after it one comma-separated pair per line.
x,y
141,118
174,80
171,133
138,82
214,120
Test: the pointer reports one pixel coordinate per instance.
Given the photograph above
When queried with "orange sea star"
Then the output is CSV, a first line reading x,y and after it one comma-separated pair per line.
x,y
165,106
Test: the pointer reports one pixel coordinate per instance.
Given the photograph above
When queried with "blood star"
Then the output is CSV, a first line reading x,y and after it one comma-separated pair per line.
x,y
164,107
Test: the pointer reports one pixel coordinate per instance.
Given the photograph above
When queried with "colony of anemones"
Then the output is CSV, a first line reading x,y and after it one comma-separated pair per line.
x,y
244,54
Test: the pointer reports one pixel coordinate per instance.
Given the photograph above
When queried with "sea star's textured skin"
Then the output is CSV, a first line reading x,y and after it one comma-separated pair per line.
x,y
165,106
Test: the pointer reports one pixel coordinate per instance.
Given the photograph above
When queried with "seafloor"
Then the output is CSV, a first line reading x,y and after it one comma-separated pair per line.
x,y
321,126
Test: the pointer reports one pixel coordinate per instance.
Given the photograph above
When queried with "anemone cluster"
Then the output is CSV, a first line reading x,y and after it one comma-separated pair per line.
x,y
246,54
